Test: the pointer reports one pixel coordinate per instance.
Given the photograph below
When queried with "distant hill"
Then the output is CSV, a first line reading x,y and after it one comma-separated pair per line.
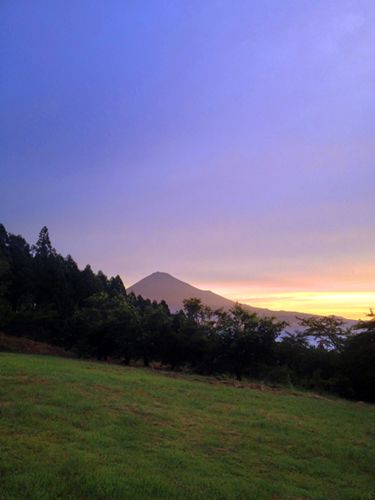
x,y
162,286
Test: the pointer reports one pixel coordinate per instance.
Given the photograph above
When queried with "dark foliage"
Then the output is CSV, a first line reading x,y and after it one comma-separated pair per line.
x,y
46,297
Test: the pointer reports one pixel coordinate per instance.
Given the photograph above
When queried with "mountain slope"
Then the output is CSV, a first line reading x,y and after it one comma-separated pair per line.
x,y
162,286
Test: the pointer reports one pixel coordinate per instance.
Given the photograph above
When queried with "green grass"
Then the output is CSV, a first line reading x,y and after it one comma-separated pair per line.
x,y
73,429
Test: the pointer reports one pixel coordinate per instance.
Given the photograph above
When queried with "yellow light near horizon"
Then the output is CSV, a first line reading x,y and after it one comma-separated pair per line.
x,y
350,304
353,305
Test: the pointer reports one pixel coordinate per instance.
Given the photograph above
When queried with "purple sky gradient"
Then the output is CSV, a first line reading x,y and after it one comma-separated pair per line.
x,y
223,142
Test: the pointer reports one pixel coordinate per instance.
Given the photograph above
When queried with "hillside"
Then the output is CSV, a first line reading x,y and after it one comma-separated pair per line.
x,y
162,286
75,429
10,343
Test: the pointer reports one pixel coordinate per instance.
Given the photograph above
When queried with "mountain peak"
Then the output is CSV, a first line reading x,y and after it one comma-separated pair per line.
x,y
160,274
163,286
158,277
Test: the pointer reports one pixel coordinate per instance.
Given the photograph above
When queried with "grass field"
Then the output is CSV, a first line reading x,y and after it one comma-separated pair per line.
x,y
73,429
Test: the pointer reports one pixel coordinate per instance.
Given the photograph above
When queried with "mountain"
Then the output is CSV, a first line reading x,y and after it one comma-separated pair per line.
x,y
162,286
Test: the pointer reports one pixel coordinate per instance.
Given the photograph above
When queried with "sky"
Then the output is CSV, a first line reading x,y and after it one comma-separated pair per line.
x,y
229,143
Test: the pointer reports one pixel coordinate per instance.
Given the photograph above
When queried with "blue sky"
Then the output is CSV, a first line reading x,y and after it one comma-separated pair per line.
x,y
230,143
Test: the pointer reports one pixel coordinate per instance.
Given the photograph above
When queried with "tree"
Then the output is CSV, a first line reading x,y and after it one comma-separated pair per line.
x,y
329,332
22,279
88,284
154,326
115,286
43,247
359,361
5,277
248,341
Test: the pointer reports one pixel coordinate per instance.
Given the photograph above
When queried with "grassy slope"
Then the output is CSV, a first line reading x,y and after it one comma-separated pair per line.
x,y
74,429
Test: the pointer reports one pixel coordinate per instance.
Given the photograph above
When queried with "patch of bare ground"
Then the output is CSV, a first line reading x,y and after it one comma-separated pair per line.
x,y
11,343
231,382
25,379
